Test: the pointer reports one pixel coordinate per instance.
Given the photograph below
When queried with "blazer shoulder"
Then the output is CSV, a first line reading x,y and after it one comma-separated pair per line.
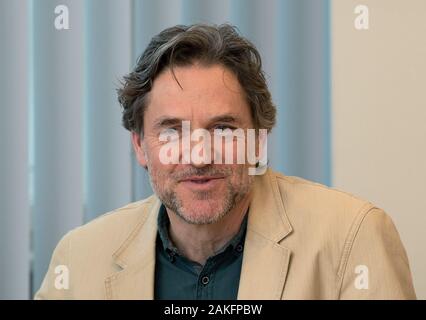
x,y
320,198
321,211
113,226
87,252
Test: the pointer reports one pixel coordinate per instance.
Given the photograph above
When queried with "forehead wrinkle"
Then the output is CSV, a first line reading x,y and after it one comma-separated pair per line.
x,y
206,95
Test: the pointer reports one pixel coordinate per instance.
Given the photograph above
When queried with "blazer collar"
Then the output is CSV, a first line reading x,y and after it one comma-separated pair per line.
x,y
136,259
267,215
265,261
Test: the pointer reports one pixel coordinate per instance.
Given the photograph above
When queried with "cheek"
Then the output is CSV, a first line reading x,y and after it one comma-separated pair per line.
x,y
155,166
241,175
229,152
152,149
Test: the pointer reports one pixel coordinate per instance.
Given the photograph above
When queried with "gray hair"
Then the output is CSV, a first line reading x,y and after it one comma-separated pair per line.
x,y
206,44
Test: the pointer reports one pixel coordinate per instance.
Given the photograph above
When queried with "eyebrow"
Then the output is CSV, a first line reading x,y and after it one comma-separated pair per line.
x,y
166,121
227,118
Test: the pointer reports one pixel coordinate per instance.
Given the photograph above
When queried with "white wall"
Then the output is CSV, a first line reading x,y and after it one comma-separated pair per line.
x,y
379,115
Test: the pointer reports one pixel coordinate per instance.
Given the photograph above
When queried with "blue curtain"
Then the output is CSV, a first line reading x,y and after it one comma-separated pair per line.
x,y
65,157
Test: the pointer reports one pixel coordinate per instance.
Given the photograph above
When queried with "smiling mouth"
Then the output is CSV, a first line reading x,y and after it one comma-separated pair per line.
x,y
201,180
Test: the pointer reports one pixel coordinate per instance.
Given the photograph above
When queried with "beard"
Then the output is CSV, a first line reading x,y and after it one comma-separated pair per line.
x,y
204,207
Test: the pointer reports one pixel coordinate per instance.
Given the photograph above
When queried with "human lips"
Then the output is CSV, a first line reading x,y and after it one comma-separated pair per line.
x,y
201,178
201,182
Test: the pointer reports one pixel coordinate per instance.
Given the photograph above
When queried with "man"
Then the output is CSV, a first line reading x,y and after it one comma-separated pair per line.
x,y
213,229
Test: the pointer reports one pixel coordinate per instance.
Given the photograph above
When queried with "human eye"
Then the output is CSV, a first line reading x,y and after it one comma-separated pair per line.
x,y
223,127
171,131
169,134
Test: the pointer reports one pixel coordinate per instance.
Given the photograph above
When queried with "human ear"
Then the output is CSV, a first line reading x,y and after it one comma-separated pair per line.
x,y
138,147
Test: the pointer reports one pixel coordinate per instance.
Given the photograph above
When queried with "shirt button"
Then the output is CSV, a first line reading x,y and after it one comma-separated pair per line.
x,y
240,248
205,280
172,257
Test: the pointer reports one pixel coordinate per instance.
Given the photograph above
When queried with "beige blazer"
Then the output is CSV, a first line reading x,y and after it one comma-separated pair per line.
x,y
304,241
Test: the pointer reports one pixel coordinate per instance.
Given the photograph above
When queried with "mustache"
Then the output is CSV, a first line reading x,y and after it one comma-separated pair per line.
x,y
204,171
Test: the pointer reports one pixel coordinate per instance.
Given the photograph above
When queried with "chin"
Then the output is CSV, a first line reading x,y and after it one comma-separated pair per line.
x,y
202,211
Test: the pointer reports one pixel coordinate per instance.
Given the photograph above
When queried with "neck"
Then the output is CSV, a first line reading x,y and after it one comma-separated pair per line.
x,y
199,242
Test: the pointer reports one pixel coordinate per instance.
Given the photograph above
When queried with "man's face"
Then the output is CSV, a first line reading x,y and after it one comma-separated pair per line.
x,y
210,98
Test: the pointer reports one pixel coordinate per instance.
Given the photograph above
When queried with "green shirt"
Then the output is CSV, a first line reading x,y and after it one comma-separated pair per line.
x,y
176,277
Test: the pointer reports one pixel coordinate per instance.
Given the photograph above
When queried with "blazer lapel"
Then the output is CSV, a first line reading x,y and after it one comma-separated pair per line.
x,y
136,260
265,261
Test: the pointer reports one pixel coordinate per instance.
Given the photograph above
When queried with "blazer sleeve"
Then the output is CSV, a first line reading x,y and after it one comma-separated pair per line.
x,y
57,281
374,262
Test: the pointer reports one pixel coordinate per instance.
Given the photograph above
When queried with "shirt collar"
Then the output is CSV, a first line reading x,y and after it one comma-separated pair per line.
x,y
163,230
